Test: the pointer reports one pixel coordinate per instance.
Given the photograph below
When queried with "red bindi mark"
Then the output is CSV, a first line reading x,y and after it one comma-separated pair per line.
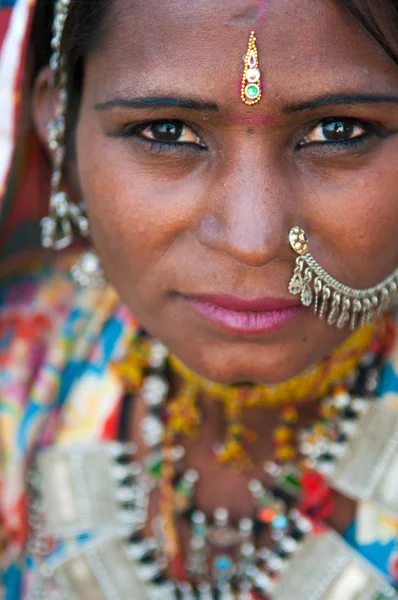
x,y
262,6
250,119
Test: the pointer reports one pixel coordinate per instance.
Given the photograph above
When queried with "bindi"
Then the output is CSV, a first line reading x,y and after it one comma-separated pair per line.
x,y
261,9
250,120
253,15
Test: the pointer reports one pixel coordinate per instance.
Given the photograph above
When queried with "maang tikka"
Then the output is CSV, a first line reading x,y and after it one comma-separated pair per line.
x,y
339,304
57,229
251,80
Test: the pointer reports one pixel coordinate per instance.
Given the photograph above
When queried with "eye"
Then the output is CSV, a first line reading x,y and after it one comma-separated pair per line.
x,y
169,132
335,130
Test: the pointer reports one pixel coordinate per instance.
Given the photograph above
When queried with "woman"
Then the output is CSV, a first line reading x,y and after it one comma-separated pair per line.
x,y
201,400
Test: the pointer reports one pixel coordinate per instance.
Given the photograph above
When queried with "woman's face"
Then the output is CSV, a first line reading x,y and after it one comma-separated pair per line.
x,y
192,194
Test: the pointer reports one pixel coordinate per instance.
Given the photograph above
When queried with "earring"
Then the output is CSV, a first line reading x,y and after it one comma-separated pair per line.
x,y
340,304
65,217
57,228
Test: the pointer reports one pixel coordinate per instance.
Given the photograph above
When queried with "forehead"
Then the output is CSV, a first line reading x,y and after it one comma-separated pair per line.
x,y
197,46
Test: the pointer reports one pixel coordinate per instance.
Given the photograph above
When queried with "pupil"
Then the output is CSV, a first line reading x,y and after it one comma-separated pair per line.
x,y
338,130
167,131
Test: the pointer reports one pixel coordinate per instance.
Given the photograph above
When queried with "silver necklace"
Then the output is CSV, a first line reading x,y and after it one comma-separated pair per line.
x,y
101,491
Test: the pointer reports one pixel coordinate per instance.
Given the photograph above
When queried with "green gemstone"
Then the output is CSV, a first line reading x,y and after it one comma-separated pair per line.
x,y
155,468
292,481
252,91
382,596
184,488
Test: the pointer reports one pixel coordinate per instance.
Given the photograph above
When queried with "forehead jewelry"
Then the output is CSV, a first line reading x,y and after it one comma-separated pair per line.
x,y
251,79
339,304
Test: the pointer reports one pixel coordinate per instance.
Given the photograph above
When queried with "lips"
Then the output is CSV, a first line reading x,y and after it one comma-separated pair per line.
x,y
245,315
240,304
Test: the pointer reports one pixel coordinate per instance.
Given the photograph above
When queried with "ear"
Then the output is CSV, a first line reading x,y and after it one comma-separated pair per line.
x,y
44,104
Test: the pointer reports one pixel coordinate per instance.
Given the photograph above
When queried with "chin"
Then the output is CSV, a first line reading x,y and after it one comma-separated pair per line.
x,y
264,376
252,365
269,360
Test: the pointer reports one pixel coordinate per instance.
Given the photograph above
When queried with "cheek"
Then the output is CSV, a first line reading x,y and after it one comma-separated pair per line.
x,y
356,214
138,220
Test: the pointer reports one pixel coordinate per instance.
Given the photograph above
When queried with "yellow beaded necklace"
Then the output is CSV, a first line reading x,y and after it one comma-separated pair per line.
x,y
315,382
183,411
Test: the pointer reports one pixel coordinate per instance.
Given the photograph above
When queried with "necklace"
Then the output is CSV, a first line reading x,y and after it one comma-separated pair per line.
x,y
274,570
315,382
184,415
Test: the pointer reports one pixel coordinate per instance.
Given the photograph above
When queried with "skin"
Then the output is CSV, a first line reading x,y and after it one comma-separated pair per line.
x,y
216,220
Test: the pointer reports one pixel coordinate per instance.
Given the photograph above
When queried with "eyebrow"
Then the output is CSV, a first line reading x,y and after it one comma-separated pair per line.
x,y
158,102
330,99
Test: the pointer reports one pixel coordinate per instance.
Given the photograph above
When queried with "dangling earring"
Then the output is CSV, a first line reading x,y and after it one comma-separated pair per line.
x,y
340,304
57,229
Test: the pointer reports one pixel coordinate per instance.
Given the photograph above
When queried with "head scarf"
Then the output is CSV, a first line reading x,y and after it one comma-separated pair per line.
x,y
23,167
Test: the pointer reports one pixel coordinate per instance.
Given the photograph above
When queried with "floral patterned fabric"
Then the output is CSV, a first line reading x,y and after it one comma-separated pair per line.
x,y
56,387
55,347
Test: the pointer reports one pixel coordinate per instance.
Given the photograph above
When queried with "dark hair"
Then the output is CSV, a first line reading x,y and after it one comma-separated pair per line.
x,y
86,26
82,34
380,19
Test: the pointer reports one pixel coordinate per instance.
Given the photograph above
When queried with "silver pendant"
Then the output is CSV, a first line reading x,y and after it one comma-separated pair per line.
x,y
368,470
104,571
326,568
81,489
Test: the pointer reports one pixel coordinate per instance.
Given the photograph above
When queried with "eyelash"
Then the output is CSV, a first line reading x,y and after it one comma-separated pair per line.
x,y
370,131
158,147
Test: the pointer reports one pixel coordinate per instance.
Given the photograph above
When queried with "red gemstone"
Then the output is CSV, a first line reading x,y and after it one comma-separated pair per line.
x,y
317,500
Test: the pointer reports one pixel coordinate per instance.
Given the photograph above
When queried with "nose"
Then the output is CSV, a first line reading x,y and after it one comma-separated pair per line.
x,y
247,215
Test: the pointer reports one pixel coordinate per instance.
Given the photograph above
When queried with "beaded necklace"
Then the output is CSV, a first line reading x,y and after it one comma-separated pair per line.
x,y
274,508
184,413
261,556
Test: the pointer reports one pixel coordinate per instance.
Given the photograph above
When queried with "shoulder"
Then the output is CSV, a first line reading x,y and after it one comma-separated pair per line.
x,y
389,377
46,319
35,296
48,324
40,292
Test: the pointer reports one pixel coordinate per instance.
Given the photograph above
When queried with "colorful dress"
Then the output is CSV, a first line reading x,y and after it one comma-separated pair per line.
x,y
56,341
57,387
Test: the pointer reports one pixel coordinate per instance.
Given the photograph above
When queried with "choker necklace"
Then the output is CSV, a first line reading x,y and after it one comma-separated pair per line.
x,y
102,491
313,383
184,414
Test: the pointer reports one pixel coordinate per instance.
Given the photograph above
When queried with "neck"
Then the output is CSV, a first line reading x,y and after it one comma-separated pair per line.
x,y
258,424
315,382
234,415
245,421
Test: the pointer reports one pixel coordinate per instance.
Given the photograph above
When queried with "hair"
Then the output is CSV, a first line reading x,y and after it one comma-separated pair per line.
x,y
83,31
380,19
87,25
